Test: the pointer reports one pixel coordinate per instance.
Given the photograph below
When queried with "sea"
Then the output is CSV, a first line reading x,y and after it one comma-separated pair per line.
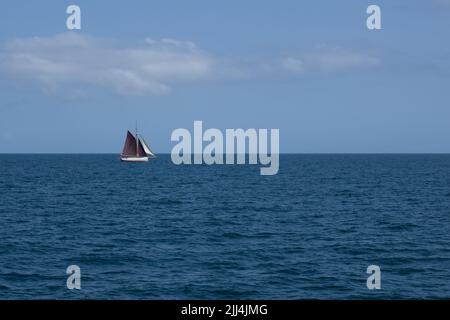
x,y
164,231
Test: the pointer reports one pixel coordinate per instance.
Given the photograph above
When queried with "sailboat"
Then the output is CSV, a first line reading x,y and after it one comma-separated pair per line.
x,y
136,149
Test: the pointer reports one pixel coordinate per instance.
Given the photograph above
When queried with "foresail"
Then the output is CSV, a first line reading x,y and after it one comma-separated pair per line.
x,y
129,149
146,147
140,151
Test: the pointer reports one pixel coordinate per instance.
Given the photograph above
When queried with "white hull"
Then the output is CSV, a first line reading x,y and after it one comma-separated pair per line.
x,y
134,159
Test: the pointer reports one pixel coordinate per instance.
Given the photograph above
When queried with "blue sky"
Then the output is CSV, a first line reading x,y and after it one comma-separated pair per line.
x,y
309,68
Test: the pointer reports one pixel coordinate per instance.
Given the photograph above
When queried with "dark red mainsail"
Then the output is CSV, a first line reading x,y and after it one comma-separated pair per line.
x,y
129,149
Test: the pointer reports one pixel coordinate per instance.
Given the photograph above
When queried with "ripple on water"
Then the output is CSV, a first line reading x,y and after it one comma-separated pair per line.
x,y
205,232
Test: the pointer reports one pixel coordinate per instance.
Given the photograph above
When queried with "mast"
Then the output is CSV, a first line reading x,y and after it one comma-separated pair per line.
x,y
137,142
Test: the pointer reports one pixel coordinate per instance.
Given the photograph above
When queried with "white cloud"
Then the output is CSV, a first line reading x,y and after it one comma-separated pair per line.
x,y
328,60
70,58
151,68
293,64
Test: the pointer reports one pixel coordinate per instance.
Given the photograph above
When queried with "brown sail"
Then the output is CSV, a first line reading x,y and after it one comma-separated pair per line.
x,y
129,149
140,150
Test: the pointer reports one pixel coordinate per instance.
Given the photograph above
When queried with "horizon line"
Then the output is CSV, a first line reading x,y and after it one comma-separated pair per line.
x,y
281,153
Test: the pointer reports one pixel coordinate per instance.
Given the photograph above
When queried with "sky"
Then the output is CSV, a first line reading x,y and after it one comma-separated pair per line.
x,y
309,68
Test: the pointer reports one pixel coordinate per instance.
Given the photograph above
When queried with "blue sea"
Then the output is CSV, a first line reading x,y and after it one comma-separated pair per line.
x,y
161,231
